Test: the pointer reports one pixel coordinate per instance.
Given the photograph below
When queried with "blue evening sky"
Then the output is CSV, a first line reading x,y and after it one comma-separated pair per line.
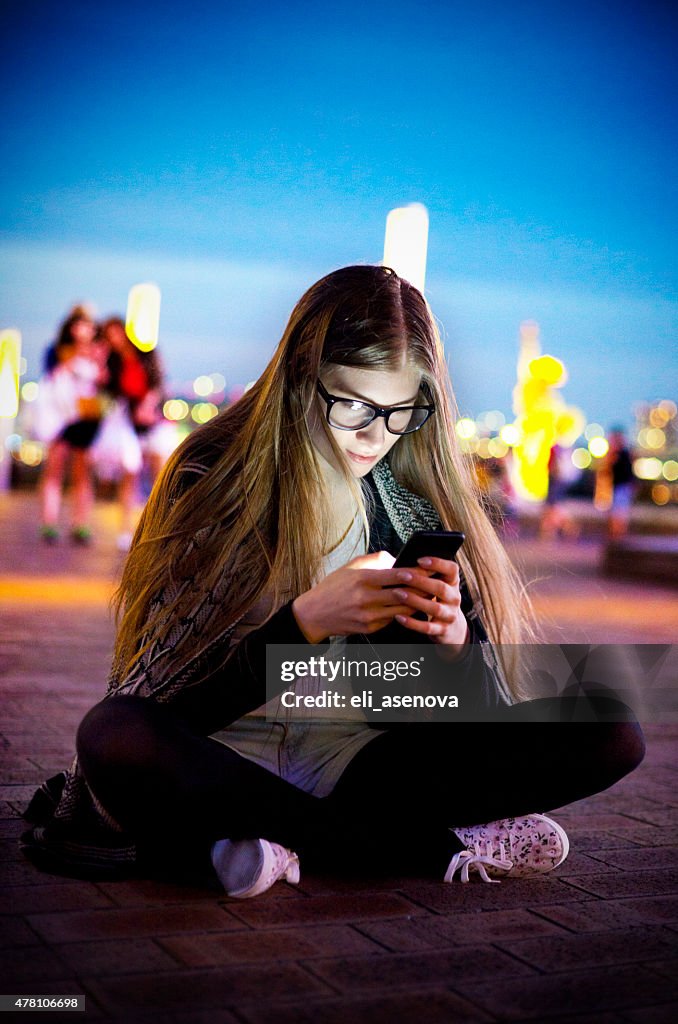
x,y
234,154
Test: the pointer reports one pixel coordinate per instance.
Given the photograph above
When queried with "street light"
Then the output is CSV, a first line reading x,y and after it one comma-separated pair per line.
x,y
406,242
143,316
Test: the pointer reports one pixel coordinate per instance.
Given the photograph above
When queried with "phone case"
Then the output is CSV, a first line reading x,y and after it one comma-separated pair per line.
x,y
431,543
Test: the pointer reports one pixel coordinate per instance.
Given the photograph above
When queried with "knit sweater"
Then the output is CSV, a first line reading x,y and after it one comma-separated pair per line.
x,y
72,833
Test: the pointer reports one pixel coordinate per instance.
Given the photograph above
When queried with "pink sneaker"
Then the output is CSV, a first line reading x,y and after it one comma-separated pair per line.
x,y
234,861
519,847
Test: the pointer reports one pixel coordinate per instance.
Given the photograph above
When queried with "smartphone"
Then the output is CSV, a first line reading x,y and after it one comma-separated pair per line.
x,y
429,543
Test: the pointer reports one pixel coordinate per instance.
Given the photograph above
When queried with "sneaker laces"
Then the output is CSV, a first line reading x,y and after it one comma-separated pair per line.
x,y
482,856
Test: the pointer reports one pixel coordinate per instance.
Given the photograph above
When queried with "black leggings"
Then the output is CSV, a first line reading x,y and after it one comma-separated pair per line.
x,y
392,809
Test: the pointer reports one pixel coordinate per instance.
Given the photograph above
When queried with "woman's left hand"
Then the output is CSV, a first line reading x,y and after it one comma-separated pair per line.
x,y
439,598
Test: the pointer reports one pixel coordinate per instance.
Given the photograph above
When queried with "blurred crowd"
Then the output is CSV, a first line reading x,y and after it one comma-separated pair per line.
x,y
99,411
615,488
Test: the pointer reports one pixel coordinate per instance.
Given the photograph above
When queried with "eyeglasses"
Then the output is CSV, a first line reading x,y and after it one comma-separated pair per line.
x,y
348,414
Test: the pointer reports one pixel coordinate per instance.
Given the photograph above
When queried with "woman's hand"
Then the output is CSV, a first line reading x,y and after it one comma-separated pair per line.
x,y
439,598
353,599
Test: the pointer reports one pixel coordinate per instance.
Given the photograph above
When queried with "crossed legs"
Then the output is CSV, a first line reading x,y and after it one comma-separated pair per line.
x,y
392,809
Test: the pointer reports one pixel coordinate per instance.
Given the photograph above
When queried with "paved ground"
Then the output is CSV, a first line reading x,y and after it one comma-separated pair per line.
x,y
596,942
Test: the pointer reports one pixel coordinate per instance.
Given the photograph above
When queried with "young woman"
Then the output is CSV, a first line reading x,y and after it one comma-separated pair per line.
x,y
278,522
67,419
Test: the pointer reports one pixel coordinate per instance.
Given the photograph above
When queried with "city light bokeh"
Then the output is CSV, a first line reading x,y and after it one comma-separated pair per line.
x,y
10,371
488,437
525,445
542,417
142,323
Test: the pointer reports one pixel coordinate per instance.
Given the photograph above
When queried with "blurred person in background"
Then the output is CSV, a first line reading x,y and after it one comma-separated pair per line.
x,y
619,466
67,418
555,519
135,432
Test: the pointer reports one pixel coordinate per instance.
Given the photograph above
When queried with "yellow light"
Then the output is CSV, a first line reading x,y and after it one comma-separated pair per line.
x,y
542,417
203,386
29,391
658,417
661,494
483,448
569,425
510,434
406,243
655,438
143,316
465,428
175,409
548,369
670,470
593,430
669,407
647,468
598,447
497,448
31,453
10,359
204,411
581,458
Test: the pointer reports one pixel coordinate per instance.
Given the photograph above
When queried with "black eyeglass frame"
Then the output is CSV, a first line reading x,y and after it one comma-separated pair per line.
x,y
377,411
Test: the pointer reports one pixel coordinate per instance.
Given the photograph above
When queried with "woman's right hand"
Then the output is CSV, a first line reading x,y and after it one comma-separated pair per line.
x,y
352,599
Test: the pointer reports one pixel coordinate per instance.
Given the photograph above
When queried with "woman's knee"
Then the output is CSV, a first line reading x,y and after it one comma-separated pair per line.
x,y
621,751
631,745
113,730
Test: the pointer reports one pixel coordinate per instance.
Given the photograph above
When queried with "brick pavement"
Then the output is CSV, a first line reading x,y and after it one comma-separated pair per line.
x,y
596,942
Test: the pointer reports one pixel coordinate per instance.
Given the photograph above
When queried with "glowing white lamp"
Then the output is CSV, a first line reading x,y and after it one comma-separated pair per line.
x,y
406,243
143,316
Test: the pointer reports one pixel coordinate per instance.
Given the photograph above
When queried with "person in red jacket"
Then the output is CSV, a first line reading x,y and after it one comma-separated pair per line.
x,y
135,382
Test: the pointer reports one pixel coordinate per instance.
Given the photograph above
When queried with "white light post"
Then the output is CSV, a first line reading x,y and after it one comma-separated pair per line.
x,y
406,243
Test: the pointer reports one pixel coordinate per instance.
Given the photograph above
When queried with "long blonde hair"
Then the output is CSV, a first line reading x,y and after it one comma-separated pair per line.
x,y
246,490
